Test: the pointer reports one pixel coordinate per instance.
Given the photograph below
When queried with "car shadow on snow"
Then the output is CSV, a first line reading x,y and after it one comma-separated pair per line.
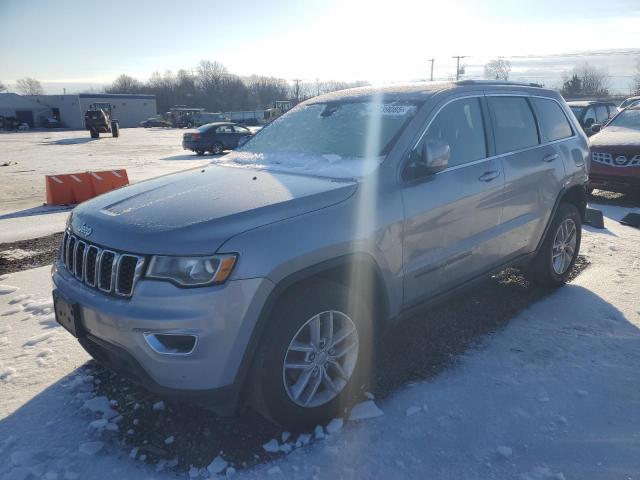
x,y
179,435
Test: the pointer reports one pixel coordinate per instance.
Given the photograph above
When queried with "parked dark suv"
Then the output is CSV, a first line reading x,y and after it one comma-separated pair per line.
x,y
590,112
214,137
267,276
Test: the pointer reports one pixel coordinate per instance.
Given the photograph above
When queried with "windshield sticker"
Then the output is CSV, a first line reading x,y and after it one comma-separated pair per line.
x,y
391,109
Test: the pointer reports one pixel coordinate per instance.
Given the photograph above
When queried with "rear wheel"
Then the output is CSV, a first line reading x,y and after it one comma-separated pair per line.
x,y
115,129
200,152
316,357
217,148
94,133
560,249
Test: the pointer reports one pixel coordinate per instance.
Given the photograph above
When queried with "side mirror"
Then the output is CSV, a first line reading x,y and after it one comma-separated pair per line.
x,y
433,157
596,127
243,140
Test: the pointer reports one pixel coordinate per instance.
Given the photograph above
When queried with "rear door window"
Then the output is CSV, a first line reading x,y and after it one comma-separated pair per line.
x,y
225,129
514,124
460,125
552,120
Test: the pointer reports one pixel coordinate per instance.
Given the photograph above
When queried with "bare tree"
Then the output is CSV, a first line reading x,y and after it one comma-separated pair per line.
x,y
3,87
497,69
586,81
125,84
29,86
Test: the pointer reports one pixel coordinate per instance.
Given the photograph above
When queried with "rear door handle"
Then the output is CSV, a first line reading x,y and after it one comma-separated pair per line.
x,y
550,158
488,176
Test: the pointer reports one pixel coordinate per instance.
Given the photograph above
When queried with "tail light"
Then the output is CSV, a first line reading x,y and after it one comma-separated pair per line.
x,y
195,136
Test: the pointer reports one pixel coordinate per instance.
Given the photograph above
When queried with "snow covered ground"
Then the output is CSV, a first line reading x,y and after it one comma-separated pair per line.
x,y
144,152
553,395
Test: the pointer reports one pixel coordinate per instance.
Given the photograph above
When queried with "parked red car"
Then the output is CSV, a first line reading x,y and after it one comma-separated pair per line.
x,y
615,153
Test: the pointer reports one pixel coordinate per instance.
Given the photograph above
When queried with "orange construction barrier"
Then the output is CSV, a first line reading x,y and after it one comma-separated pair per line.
x,y
77,187
103,182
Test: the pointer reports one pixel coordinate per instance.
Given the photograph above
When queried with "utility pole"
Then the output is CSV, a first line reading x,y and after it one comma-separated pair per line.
x,y
431,60
297,89
458,57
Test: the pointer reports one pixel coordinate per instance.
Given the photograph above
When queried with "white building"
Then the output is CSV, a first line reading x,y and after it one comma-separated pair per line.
x,y
128,109
24,109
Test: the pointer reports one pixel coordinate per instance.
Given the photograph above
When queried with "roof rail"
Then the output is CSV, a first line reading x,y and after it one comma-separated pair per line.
x,y
496,82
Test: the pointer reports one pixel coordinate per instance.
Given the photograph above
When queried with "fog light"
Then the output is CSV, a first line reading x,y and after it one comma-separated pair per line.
x,y
171,343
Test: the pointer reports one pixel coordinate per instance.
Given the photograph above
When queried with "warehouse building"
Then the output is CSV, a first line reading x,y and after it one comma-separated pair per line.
x,y
129,110
24,109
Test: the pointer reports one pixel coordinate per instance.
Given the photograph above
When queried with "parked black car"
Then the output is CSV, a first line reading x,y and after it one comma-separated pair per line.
x,y
589,112
214,137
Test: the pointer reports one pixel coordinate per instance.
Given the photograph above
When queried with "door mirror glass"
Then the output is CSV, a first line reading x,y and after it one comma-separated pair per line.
x,y
596,127
431,158
436,154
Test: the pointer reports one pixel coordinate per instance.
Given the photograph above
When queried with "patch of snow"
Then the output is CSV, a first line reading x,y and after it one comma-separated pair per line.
x,y
90,448
504,452
412,410
271,446
364,411
169,440
318,432
334,426
159,406
217,465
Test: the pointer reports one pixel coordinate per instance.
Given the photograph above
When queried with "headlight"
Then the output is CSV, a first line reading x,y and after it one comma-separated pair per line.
x,y
192,271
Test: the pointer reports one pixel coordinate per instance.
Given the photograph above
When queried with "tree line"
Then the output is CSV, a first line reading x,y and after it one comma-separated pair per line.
x,y
212,87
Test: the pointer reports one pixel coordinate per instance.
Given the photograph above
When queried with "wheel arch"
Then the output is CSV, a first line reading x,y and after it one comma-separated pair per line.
x,y
340,270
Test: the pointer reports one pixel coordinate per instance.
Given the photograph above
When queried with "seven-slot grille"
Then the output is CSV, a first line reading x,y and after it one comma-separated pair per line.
x,y
107,270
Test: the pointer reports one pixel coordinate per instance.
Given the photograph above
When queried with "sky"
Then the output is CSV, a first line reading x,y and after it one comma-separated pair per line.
x,y
78,45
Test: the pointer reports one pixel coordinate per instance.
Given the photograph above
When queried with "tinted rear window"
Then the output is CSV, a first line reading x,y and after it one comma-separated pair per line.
x,y
553,122
514,124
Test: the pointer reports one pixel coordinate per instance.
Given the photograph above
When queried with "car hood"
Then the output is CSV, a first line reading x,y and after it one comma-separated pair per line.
x,y
622,140
196,211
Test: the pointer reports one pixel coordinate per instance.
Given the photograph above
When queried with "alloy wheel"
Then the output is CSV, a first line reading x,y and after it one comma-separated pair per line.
x,y
564,246
320,359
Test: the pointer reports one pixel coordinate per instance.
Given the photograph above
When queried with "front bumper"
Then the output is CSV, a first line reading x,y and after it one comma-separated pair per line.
x,y
221,317
614,179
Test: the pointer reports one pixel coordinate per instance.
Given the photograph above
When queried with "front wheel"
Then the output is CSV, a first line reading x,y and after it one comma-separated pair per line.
x,y
553,264
94,133
315,358
115,129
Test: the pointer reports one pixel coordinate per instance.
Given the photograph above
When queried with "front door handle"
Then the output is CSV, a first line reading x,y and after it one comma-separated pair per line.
x,y
488,176
550,158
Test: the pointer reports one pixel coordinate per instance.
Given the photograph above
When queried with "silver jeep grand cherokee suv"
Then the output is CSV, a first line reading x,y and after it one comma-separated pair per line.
x,y
267,276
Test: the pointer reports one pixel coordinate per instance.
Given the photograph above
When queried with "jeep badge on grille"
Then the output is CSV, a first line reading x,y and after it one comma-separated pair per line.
x,y
85,230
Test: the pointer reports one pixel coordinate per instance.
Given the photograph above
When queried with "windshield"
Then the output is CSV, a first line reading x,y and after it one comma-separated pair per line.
x,y
577,111
629,101
627,119
336,129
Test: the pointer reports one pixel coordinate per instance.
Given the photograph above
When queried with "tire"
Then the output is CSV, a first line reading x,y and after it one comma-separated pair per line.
x,y
544,270
94,133
273,387
115,129
200,152
217,148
